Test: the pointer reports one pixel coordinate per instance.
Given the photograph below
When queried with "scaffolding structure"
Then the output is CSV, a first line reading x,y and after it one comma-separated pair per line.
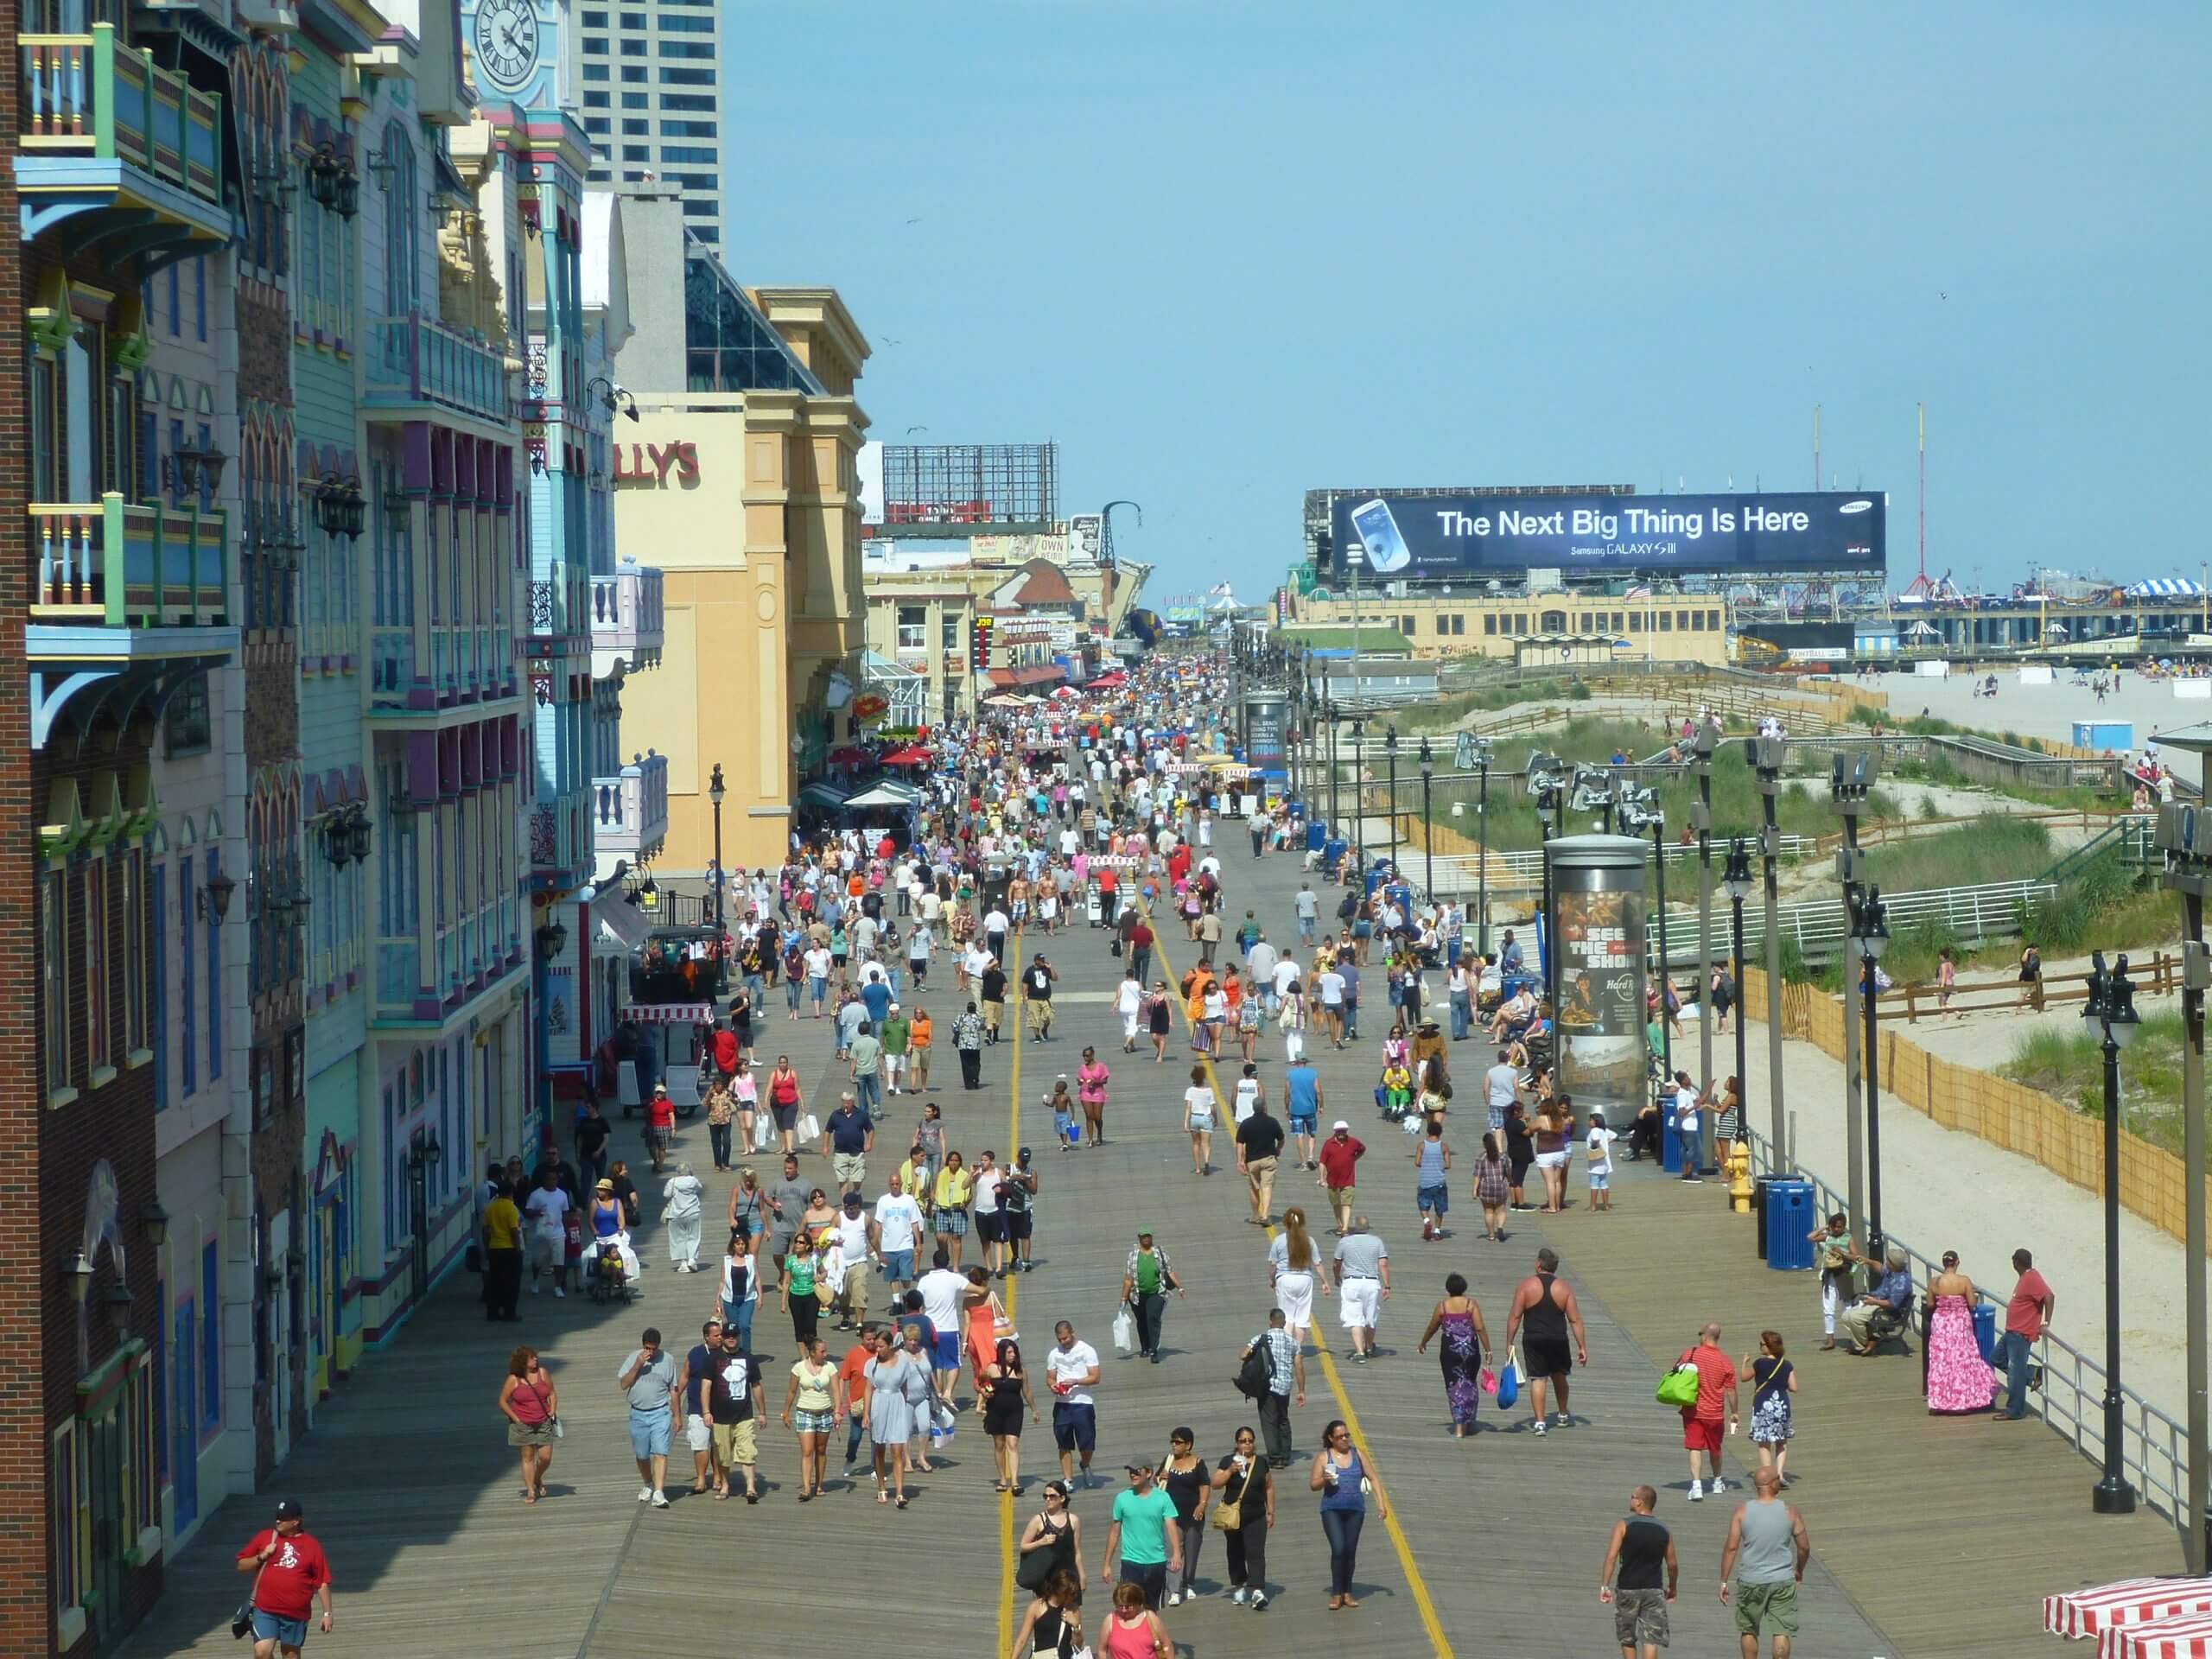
x,y
969,489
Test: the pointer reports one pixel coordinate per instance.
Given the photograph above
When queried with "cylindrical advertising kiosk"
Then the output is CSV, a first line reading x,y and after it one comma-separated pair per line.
x,y
1596,931
1267,722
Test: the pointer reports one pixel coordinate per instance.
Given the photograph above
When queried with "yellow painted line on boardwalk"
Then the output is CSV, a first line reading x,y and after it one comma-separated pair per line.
x,y
1007,1536
1423,1603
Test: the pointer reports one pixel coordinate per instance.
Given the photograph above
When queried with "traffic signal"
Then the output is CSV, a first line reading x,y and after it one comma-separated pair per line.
x,y
979,644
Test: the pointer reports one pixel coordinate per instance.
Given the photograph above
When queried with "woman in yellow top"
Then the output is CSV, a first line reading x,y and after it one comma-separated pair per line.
x,y
949,1202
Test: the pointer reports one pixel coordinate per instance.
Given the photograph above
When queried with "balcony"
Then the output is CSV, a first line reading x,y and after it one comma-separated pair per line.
x,y
560,611
466,958
560,844
440,670
110,139
625,621
123,595
418,368
630,810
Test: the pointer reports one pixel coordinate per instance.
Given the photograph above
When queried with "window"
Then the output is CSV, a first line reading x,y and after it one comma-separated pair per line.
x,y
1712,620
686,152
697,49
913,627
633,73
595,71
594,19
214,980
952,631
688,128
211,1337
636,100
402,221
685,101
1666,621
138,983
53,973
596,100
1458,623
1696,619
1635,621
634,20
696,209
637,152
1490,622
69,1519
595,49
597,125
674,25
686,77
187,899
1443,623
1616,622
713,234
636,48
1552,622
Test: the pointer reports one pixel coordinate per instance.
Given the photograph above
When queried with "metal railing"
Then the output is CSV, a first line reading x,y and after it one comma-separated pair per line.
x,y
1967,915
2154,1448
1523,868
86,95
418,359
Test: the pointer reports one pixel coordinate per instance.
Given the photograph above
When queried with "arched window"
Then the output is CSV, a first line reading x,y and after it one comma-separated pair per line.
x,y
401,228
1552,622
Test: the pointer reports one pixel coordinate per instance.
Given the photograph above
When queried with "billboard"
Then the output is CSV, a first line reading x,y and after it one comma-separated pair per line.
x,y
1472,538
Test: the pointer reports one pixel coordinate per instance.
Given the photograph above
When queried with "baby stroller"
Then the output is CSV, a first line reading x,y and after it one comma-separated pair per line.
x,y
607,1274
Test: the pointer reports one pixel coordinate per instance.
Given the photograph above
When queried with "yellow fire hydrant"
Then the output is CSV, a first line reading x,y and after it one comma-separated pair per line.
x,y
1739,1177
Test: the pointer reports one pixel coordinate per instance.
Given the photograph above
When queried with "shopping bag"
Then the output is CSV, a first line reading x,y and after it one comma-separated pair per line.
x,y
1678,1386
1487,1381
1125,1332
810,1127
764,1132
1509,1381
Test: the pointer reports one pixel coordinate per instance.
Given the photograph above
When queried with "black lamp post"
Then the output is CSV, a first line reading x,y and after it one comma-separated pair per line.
x,y
1359,788
1736,882
1482,841
1870,936
2111,1009
716,792
1329,718
1428,823
1390,749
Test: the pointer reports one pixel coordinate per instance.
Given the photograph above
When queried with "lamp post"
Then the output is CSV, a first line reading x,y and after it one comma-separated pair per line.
x,y
1659,876
1359,788
1767,756
1482,843
1328,719
1736,882
1428,824
1870,935
1703,741
1849,778
716,792
2111,1009
1390,749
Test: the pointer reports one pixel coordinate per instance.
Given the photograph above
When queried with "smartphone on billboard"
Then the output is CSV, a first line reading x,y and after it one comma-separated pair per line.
x,y
1378,534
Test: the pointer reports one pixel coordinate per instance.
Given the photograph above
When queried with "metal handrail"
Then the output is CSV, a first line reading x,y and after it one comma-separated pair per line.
x,y
2154,1448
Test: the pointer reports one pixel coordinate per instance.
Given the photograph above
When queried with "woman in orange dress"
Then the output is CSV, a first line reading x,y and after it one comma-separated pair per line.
x,y
985,1324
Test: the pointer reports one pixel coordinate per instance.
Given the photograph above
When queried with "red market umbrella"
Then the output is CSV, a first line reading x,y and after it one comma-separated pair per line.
x,y
912,755
2126,1603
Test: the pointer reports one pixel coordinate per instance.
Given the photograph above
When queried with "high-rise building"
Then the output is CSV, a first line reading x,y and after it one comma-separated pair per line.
x,y
645,77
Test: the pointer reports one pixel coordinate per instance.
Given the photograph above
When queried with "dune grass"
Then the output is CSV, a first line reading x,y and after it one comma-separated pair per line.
x,y
2068,1063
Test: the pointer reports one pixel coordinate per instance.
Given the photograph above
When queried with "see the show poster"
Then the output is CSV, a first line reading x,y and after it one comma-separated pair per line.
x,y
1600,937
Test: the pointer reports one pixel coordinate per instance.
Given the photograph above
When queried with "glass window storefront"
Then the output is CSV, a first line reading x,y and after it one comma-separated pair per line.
x,y
731,346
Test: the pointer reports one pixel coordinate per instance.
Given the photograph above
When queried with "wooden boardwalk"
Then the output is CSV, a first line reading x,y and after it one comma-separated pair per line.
x,y
1495,1541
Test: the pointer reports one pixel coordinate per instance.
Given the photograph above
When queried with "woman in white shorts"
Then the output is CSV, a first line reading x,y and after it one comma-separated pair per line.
x,y
1198,1117
1129,1004
1293,1271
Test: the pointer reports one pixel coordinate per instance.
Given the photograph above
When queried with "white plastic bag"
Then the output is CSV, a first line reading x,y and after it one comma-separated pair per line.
x,y
764,1132
810,1127
1125,1332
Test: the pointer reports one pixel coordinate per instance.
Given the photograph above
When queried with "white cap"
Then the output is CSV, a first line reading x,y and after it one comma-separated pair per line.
x,y
1338,1124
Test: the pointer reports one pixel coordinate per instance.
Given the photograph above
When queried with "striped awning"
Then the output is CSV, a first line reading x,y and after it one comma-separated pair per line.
x,y
2166,587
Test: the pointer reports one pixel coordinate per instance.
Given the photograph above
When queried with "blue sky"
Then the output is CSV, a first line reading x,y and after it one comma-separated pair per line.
x,y
1227,253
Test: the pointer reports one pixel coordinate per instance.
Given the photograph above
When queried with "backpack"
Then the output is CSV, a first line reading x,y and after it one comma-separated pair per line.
x,y
1348,909
1255,1376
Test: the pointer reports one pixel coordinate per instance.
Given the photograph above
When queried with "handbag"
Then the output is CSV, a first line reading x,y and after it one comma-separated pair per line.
x,y
242,1619
1035,1567
1228,1515
1509,1381
1678,1386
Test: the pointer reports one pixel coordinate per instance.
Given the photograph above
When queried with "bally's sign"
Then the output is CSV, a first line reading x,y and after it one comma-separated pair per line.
x,y
651,463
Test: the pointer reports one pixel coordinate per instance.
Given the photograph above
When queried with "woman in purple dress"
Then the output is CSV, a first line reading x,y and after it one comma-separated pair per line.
x,y
1465,1343
1958,1378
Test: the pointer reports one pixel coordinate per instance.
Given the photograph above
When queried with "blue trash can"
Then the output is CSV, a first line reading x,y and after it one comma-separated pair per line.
x,y
1985,1329
1789,1226
1670,1143
1332,853
1317,835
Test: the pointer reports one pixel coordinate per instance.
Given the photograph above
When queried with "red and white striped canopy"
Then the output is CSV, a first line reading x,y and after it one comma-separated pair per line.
x,y
2186,1638
671,1014
2125,1604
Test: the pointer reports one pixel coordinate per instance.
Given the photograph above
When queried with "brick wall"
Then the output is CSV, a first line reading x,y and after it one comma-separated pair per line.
x,y
26,1620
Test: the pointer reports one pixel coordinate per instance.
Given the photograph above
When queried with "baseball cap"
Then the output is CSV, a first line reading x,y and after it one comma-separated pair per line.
x,y
289,1510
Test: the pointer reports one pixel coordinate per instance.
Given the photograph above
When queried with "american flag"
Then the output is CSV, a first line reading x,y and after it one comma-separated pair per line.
x,y
1638,593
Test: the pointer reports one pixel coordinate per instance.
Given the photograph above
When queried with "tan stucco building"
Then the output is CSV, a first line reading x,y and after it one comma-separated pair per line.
x,y
745,497
1539,628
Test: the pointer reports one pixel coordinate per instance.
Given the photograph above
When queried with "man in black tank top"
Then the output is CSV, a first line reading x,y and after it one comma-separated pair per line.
x,y
1640,1596
1543,1311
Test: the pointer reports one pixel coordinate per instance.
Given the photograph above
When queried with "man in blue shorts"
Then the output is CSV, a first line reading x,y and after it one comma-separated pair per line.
x,y
649,1378
1301,1086
1071,1368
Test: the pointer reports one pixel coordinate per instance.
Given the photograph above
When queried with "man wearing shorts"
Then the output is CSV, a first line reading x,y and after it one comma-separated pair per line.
x,y
1768,1547
1301,1088
898,1224
1649,1575
648,1377
1071,1369
849,1137
289,1573
944,1288
660,1125
1548,1310
1362,1284
1706,1423
1017,1199
698,1427
731,1396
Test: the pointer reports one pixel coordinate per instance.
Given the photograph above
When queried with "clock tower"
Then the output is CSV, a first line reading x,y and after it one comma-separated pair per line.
x,y
514,48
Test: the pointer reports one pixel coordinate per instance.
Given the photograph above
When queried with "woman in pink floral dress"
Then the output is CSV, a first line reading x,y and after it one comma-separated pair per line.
x,y
1959,1379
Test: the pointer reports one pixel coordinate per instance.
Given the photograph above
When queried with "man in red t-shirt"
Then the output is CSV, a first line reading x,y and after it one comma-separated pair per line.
x,y
726,1050
853,1371
1706,1423
289,1572
1339,1153
2030,1309
660,1123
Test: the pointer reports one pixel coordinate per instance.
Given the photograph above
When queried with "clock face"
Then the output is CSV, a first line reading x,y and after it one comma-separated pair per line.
x,y
506,42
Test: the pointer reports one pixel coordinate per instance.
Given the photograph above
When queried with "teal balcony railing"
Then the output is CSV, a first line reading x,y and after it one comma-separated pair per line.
x,y
88,95
415,360
119,564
